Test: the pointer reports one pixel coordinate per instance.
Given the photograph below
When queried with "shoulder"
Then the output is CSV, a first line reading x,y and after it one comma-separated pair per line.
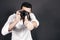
x,y
12,15
32,14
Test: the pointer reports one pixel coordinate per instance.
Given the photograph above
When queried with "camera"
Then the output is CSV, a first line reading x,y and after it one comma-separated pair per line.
x,y
23,14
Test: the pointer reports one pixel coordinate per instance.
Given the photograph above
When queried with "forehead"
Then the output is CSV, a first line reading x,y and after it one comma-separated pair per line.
x,y
25,7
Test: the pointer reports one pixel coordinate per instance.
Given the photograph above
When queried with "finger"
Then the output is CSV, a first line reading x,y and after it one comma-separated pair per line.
x,y
26,18
18,13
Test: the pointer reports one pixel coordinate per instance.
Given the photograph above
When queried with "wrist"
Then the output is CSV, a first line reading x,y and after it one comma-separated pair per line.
x,y
30,26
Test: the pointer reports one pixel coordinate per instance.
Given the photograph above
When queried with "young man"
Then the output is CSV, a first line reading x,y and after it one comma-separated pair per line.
x,y
15,24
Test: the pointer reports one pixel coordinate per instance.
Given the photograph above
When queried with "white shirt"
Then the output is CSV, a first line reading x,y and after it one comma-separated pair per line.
x,y
20,32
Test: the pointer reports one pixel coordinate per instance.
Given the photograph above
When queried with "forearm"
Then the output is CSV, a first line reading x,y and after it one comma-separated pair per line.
x,y
34,24
12,25
29,26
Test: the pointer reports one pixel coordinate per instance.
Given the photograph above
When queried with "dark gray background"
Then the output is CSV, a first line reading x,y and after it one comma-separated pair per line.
x,y
46,11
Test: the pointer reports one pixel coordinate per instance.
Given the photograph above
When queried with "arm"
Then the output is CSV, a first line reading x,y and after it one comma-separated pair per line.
x,y
10,24
16,20
4,30
34,23
34,20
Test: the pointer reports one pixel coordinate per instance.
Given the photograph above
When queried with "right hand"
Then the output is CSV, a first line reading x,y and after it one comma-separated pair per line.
x,y
18,17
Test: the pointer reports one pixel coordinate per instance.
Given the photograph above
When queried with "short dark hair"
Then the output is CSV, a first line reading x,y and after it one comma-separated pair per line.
x,y
26,4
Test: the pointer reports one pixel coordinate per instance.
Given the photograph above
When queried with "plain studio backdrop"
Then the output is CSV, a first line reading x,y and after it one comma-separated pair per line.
x,y
46,11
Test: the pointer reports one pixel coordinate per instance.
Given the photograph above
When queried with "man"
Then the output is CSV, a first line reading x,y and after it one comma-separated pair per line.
x,y
15,24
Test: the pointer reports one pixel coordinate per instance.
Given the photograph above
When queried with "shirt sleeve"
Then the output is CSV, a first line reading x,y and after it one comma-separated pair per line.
x,y
33,18
4,30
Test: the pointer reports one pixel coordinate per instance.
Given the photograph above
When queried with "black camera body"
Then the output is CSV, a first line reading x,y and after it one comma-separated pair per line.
x,y
23,14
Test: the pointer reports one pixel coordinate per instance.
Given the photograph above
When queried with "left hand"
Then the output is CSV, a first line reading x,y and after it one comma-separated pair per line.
x,y
26,21
28,24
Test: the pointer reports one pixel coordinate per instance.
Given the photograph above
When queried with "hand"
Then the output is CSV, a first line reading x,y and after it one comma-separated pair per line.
x,y
18,17
16,20
28,24
26,20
